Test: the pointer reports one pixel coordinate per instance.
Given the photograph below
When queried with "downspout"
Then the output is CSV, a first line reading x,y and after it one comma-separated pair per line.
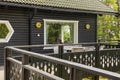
x,y
96,27
32,13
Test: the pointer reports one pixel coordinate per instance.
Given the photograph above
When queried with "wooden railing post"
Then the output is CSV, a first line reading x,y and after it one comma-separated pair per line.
x,y
25,61
97,58
7,53
76,74
60,52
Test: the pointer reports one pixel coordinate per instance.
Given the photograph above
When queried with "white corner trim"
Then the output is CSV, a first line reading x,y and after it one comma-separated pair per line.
x,y
76,32
44,32
11,31
70,21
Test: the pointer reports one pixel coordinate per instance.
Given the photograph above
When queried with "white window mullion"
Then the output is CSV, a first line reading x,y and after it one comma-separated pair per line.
x,y
45,32
62,33
76,32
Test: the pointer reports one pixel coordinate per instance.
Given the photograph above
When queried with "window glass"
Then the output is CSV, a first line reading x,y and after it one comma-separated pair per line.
x,y
3,30
68,30
59,32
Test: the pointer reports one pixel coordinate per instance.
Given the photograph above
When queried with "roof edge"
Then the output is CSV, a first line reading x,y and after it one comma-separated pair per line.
x,y
55,8
106,5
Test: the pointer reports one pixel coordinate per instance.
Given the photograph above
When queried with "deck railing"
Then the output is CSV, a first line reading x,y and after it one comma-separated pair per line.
x,y
20,70
67,66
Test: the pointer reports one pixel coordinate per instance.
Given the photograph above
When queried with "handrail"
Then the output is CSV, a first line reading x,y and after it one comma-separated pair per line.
x,y
79,66
14,60
50,45
28,67
95,44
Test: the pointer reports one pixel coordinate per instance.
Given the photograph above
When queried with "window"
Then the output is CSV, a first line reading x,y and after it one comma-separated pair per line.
x,y
6,31
57,31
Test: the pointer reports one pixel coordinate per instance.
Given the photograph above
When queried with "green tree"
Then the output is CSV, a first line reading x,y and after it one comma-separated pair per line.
x,y
108,25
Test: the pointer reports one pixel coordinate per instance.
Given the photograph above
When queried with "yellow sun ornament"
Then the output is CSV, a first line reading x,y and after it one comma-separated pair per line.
x,y
38,25
87,26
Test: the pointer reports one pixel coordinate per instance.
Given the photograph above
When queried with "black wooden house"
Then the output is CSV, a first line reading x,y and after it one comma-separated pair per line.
x,y
32,20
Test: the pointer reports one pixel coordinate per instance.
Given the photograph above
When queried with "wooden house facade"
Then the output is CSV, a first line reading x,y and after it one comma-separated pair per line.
x,y
30,18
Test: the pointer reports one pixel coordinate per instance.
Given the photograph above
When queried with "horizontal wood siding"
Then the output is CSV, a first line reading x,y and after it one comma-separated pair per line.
x,y
83,35
18,18
19,21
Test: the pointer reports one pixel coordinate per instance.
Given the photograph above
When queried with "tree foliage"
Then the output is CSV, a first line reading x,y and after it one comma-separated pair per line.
x,y
108,25
3,30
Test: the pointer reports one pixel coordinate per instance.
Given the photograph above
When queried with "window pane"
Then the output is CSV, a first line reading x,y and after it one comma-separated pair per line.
x,y
53,32
3,30
57,32
69,33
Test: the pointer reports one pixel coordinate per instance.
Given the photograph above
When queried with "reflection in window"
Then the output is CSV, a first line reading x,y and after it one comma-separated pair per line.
x,y
3,30
57,32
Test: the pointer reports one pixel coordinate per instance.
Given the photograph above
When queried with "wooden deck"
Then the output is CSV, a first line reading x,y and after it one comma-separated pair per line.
x,y
1,72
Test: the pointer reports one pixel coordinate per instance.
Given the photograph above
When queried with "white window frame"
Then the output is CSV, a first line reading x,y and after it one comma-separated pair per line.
x,y
10,33
69,21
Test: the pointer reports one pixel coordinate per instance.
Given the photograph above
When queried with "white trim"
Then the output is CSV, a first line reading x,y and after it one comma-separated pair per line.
x,y
53,20
76,32
45,32
11,31
69,21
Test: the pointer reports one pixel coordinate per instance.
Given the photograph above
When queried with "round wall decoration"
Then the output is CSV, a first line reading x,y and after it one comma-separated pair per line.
x,y
38,25
87,26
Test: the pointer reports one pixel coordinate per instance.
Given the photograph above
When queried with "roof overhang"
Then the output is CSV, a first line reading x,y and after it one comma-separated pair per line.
x,y
55,8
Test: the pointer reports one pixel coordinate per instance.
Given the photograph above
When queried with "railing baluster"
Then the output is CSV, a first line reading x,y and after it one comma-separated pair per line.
x,y
79,76
60,51
25,61
97,58
75,75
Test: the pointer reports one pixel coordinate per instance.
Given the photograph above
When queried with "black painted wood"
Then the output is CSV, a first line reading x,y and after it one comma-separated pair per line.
x,y
19,19
84,35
